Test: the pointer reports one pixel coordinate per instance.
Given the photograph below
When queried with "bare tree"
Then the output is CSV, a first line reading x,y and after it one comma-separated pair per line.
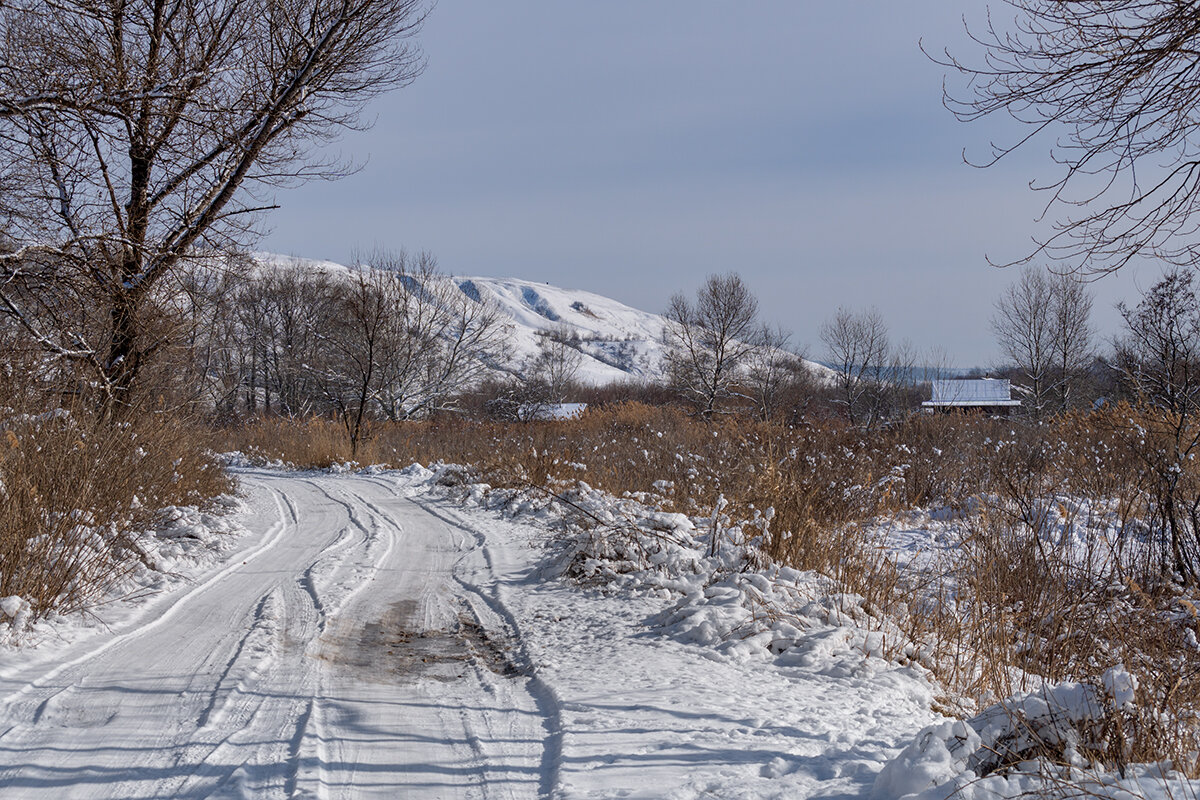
x,y
1115,81
1160,357
709,341
1024,327
283,316
906,372
1160,353
858,350
1072,338
391,337
774,375
1043,328
445,336
139,134
212,342
356,343
550,373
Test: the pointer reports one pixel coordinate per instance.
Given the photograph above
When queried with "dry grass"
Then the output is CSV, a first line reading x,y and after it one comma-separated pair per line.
x,y
824,474
74,487
1062,574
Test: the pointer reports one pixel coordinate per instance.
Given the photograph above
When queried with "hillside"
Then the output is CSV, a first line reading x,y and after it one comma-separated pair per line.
x,y
618,342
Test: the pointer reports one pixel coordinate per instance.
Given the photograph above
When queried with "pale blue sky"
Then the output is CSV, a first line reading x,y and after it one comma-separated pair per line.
x,y
632,148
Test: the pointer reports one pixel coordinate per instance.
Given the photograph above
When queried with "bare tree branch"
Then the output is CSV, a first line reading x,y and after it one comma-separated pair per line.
x,y
708,342
144,132
1119,80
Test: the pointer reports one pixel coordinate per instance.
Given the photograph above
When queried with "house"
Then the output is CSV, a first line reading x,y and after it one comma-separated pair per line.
x,y
549,412
989,395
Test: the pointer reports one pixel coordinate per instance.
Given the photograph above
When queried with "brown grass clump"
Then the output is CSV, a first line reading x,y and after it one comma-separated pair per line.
x,y
73,487
1064,573
313,443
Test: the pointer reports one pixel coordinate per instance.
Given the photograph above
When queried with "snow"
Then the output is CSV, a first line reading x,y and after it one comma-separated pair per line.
x,y
662,688
186,539
12,605
413,633
618,342
963,758
546,412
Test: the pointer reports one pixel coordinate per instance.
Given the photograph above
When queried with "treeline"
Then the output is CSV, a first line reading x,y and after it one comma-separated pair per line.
x,y
392,338
395,339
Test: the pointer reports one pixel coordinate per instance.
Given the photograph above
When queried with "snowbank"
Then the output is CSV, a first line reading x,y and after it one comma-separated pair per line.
x,y
1046,743
185,539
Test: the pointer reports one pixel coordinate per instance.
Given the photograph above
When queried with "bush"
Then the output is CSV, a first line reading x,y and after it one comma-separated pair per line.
x,y
75,488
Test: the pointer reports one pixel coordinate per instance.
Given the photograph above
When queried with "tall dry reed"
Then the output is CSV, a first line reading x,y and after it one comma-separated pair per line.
x,y
74,488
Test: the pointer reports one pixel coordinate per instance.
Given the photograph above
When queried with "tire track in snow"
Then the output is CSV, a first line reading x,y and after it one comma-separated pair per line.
x,y
242,727
297,756
147,757
260,709
250,716
257,732
237,561
306,755
362,572
307,751
545,699
480,742
265,626
307,583
394,530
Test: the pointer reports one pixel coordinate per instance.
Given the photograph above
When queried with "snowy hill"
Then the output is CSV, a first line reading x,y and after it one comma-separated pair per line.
x,y
618,342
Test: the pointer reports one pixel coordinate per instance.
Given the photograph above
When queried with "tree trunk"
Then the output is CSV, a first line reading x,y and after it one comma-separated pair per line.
x,y
124,356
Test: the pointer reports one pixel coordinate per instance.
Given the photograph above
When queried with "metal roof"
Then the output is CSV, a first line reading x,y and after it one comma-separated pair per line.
x,y
544,412
961,392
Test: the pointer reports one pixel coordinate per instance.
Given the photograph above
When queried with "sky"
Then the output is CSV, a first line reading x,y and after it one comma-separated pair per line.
x,y
634,148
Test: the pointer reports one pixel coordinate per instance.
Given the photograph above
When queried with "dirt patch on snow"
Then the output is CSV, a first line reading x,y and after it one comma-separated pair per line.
x,y
396,647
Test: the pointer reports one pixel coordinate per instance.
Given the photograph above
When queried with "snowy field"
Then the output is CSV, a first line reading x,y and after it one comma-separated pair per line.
x,y
410,635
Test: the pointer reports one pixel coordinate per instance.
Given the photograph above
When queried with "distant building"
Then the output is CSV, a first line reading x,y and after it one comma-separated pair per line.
x,y
548,412
989,395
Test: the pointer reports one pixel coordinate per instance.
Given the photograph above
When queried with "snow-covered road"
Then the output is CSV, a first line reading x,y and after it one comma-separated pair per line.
x,y
369,643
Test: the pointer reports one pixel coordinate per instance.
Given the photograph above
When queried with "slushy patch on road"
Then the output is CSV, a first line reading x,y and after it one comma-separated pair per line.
x,y
396,648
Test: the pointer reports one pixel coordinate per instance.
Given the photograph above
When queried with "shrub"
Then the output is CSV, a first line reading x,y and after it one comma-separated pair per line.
x,y
75,488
